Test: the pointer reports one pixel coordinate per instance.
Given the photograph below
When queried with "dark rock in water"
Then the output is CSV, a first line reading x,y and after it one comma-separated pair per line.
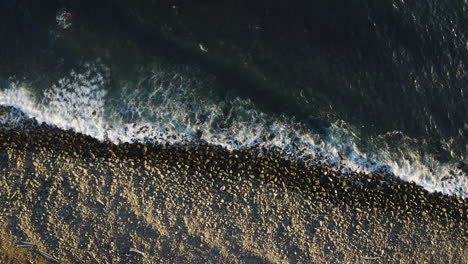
x,y
342,157
199,133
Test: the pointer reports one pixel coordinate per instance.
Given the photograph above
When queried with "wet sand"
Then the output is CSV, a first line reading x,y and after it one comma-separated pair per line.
x,y
82,201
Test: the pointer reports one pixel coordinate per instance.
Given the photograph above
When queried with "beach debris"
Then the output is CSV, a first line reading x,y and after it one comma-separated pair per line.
x,y
100,202
26,244
48,256
135,251
370,258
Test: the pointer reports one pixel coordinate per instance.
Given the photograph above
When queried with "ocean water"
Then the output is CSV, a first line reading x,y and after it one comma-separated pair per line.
x,y
380,89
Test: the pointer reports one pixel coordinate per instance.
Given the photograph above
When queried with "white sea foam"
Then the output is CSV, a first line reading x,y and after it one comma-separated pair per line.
x,y
173,110
63,19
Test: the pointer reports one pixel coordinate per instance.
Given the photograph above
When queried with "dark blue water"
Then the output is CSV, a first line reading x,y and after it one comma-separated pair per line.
x,y
382,83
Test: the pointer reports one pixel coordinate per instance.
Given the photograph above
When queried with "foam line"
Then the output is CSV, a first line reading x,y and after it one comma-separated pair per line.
x,y
172,110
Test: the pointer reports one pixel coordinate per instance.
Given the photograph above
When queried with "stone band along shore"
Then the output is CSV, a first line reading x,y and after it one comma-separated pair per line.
x,y
358,189
45,163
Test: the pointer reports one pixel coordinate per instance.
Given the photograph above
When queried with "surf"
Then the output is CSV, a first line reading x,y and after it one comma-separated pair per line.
x,y
169,106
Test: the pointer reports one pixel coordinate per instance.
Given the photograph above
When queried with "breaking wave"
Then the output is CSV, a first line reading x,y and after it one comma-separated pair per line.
x,y
169,106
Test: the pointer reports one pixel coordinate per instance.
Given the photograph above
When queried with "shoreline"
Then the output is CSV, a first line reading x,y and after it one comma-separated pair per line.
x,y
48,163
268,166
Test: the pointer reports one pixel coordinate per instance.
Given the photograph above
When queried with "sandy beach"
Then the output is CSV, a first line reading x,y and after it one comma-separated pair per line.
x,y
68,198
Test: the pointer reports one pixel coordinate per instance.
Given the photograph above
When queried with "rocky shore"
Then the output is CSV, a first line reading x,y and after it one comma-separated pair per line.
x,y
68,198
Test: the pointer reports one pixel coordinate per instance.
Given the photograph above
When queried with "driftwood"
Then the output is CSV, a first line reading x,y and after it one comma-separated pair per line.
x,y
137,252
48,256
